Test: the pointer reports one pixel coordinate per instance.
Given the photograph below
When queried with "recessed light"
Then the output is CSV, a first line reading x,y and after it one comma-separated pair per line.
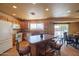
x,y
32,13
14,6
68,11
14,14
47,9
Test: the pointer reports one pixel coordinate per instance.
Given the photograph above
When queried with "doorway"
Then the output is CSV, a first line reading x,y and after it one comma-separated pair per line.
x,y
59,29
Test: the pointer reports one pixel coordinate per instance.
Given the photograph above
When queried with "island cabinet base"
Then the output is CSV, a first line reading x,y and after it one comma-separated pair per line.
x,y
37,43
33,50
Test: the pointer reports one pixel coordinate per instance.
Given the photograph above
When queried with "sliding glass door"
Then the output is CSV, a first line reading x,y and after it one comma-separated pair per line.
x,y
59,29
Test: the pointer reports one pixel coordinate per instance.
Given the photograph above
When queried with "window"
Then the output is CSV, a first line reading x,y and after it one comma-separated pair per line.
x,y
32,26
40,26
36,26
16,26
59,29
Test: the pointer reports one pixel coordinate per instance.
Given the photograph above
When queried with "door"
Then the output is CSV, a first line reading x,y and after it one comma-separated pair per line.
x,y
59,29
5,36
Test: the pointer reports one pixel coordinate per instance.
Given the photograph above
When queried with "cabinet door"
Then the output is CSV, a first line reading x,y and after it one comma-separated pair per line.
x,y
5,36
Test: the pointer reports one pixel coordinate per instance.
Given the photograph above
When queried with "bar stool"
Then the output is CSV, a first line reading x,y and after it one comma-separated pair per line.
x,y
22,50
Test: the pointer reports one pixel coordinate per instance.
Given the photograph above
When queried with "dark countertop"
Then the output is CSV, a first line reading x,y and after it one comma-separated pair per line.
x,y
37,38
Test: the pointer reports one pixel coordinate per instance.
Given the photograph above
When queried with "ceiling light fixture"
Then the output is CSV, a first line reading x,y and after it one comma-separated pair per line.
x,y
47,9
32,13
14,6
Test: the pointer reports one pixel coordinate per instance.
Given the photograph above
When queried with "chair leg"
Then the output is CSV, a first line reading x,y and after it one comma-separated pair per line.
x,y
59,52
20,54
28,54
66,43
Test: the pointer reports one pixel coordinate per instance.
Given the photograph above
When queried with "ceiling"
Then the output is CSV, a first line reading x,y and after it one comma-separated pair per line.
x,y
37,11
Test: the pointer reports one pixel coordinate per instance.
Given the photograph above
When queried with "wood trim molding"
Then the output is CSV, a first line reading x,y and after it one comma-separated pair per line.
x,y
8,18
50,18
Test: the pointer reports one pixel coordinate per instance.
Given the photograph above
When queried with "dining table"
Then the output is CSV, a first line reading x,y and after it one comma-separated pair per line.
x,y
37,39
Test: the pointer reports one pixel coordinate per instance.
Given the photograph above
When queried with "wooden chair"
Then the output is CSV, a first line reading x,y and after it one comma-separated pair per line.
x,y
76,41
44,49
49,50
56,47
70,40
22,50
